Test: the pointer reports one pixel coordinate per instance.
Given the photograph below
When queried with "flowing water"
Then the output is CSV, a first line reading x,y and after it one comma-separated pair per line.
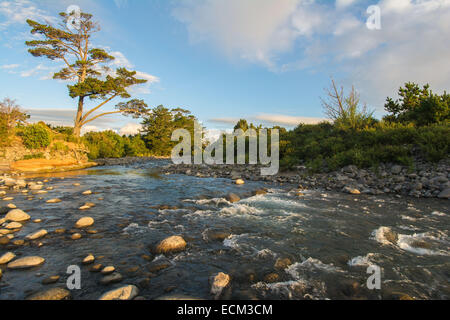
x,y
330,238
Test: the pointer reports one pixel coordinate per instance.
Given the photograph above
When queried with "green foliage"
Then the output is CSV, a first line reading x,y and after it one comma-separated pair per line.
x,y
106,144
159,125
59,146
36,136
327,147
135,146
418,106
38,155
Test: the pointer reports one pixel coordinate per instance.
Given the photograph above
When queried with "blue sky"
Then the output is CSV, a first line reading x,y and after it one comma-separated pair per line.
x,y
266,60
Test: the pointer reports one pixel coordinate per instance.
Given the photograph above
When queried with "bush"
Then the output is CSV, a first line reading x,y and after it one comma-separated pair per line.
x,y
36,136
325,147
60,147
39,155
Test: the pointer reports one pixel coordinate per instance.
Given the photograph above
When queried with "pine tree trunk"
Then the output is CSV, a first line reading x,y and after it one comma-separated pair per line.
x,y
78,118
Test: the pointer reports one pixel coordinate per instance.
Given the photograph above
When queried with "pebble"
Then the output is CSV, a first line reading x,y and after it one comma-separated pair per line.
x,y
128,292
26,262
7,257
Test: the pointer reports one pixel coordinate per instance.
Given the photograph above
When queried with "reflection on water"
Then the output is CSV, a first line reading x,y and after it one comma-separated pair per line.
x,y
329,239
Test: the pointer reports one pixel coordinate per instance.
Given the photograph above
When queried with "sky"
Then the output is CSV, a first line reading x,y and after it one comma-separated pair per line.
x,y
267,61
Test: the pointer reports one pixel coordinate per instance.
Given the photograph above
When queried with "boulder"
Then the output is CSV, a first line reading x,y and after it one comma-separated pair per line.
x,y
128,292
7,257
50,280
112,278
13,225
54,201
37,235
84,222
351,190
240,182
26,262
17,215
87,192
219,283
108,270
171,244
51,294
445,194
233,198
89,259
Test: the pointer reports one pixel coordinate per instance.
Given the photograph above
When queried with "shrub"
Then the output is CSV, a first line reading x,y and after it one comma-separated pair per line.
x,y
39,155
36,136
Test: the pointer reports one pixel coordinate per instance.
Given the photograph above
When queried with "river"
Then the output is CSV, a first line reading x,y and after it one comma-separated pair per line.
x,y
329,238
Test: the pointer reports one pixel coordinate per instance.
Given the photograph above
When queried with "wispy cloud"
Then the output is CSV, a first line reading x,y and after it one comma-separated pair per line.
x,y
9,66
18,11
284,120
287,35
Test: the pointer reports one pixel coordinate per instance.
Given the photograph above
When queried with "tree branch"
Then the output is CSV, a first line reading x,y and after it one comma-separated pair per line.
x,y
98,107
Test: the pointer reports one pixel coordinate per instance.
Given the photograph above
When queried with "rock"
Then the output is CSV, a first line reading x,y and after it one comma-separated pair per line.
x,y
76,236
11,206
240,182
13,225
282,263
9,182
396,169
54,201
233,198
89,259
60,231
35,187
128,292
26,262
171,244
445,194
271,278
8,199
4,240
108,270
17,215
51,294
351,190
159,264
260,192
37,220
7,257
18,242
215,235
96,267
112,278
1,274
50,280
84,222
219,283
37,235
87,206
87,192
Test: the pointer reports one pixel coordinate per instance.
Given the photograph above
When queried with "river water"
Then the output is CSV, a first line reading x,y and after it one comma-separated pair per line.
x,y
329,238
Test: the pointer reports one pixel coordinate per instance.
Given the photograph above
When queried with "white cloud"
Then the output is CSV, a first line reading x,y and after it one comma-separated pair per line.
x,y
413,44
33,71
130,129
18,11
283,120
344,3
9,66
120,60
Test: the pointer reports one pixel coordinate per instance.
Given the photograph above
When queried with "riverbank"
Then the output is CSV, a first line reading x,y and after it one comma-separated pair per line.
x,y
426,181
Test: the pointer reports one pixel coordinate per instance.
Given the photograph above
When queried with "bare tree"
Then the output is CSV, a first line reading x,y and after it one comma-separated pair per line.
x,y
345,111
12,114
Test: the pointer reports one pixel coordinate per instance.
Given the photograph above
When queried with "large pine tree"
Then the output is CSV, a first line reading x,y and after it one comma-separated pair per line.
x,y
86,66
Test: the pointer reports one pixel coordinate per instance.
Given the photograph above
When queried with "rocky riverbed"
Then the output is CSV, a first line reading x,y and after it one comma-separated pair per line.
x,y
143,231
426,181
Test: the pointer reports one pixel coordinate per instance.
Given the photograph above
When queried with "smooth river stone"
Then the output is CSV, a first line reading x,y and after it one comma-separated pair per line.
x,y
26,262
123,293
17,215
51,294
171,244
84,222
37,235
7,257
